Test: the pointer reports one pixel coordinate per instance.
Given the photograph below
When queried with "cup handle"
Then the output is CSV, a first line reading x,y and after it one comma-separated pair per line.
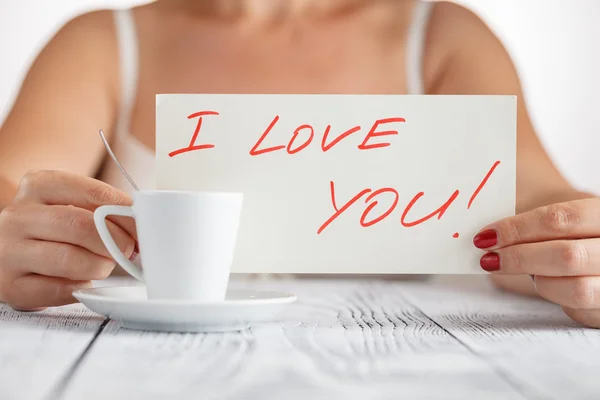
x,y
100,220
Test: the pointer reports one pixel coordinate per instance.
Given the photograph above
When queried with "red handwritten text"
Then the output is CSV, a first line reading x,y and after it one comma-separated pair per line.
x,y
326,147
193,146
373,133
296,133
291,149
439,212
482,184
340,211
254,151
393,193
373,204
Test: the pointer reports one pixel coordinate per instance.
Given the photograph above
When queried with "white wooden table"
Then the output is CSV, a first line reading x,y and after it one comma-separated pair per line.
x,y
451,338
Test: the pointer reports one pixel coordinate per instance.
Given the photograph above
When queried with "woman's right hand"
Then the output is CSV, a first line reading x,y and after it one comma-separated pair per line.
x,y
49,245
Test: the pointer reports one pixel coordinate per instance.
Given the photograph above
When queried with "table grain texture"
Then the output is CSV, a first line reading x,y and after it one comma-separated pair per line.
x,y
452,337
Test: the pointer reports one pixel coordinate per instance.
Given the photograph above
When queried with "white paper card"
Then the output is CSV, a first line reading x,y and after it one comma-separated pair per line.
x,y
384,184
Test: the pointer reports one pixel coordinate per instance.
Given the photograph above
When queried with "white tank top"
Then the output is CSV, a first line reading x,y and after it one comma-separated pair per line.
x,y
138,160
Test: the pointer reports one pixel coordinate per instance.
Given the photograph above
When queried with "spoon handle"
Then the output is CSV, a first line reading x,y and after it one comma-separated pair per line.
x,y
112,155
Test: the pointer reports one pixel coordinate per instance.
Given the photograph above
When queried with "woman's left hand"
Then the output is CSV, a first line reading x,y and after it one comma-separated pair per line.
x,y
559,246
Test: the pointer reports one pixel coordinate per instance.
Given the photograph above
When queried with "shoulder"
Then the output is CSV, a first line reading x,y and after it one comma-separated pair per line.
x,y
95,27
449,15
455,28
458,42
88,40
83,49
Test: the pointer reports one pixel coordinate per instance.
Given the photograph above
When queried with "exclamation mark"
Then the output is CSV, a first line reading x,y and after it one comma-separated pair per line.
x,y
482,184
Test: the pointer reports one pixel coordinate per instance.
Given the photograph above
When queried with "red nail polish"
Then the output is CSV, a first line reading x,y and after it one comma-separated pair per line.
x,y
490,262
485,239
133,256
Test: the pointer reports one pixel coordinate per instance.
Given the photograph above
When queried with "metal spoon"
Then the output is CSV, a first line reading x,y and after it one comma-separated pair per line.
x,y
112,155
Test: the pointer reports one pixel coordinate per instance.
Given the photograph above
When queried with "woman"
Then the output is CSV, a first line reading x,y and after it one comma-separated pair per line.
x,y
103,69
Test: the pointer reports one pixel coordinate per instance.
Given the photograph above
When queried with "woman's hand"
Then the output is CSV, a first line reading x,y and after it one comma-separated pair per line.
x,y
559,245
49,245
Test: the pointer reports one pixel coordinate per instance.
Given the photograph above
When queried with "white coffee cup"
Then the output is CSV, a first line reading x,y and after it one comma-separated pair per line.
x,y
186,241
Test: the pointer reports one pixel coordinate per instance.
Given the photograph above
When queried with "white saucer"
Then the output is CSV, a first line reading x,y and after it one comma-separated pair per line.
x,y
132,309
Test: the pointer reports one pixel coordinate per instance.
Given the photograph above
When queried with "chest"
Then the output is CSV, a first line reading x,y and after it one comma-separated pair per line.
x,y
350,58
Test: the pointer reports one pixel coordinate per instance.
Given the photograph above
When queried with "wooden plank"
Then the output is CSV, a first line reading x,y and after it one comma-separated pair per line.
x,y
38,350
343,339
532,343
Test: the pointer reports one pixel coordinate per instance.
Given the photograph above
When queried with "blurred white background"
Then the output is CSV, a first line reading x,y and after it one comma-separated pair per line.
x,y
554,43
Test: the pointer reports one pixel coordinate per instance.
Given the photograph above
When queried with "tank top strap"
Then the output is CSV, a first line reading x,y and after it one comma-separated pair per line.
x,y
417,36
127,42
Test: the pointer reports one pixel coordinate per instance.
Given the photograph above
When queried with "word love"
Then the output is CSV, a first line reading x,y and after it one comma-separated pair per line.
x,y
370,198
301,137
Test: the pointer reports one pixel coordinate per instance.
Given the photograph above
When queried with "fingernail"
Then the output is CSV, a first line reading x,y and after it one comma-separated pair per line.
x,y
485,239
136,252
490,262
134,255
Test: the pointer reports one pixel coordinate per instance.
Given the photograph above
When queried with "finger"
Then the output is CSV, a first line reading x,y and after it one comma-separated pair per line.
x,y
62,188
576,292
68,224
589,318
521,284
552,258
61,260
571,220
35,292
